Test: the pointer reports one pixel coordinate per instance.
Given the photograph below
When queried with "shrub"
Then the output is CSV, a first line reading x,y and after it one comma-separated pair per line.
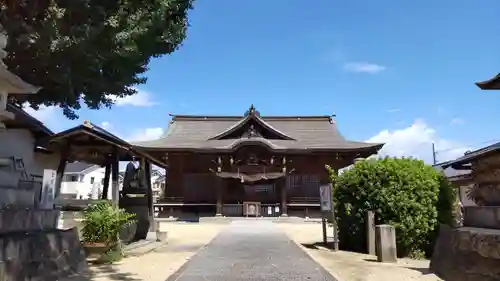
x,y
403,192
102,222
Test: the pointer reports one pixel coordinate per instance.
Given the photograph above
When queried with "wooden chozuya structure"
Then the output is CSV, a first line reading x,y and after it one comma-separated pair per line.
x,y
250,165
491,84
92,144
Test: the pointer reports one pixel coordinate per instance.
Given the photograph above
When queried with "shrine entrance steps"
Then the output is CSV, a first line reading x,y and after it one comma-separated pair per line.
x,y
251,249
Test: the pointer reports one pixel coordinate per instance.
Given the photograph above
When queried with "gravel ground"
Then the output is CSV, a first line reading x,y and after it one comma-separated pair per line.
x,y
184,240
348,266
251,250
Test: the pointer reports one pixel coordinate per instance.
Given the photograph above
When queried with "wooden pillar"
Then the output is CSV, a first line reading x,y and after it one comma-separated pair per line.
x,y
334,219
147,172
164,193
218,211
284,208
107,174
115,189
60,169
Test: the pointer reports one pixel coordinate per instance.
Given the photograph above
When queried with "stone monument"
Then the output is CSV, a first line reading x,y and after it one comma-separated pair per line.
x,y
31,248
134,200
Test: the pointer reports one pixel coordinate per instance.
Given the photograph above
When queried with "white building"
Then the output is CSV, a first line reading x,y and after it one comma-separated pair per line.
x,y
81,180
20,158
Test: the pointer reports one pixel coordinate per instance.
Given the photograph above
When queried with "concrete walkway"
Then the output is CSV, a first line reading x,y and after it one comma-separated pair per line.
x,y
251,250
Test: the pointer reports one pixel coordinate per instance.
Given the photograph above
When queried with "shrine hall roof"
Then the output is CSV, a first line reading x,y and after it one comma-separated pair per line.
x,y
491,84
300,133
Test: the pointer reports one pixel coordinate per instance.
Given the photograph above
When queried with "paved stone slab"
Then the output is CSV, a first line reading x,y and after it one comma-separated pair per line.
x,y
251,250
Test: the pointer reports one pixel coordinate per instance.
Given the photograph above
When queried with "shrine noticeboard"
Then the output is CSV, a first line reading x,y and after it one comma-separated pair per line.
x,y
325,193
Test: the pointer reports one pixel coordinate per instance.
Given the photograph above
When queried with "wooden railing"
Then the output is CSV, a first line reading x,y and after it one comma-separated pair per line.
x,y
304,200
171,199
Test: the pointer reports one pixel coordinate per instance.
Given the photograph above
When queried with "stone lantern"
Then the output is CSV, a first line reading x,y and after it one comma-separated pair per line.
x,y
9,83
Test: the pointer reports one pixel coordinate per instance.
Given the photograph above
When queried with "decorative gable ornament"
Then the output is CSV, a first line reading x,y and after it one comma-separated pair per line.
x,y
246,127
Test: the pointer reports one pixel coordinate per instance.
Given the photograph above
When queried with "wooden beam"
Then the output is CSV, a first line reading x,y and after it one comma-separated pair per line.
x,y
115,189
107,174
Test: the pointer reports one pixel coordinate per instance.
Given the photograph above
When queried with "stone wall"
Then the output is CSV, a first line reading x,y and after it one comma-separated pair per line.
x,y
16,220
482,216
467,254
41,256
19,197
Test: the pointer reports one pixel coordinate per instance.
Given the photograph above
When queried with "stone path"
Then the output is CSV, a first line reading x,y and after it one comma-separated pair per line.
x,y
251,250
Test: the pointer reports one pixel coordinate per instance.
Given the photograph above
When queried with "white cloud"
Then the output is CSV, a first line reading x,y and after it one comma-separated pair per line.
x,y
416,141
364,67
106,125
145,134
394,110
142,99
43,114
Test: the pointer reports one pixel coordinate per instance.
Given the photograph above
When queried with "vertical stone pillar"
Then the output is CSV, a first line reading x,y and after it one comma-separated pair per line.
x,y
385,243
284,208
370,232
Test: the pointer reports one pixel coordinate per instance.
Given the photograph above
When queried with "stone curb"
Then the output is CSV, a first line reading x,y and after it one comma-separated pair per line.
x,y
145,247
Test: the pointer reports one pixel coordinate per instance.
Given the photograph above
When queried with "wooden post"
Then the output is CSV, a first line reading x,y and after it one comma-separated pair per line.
x,y
147,173
370,232
107,174
323,224
60,169
218,211
115,189
284,209
166,184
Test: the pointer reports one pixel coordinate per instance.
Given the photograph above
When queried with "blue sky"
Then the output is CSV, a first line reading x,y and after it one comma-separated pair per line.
x,y
400,72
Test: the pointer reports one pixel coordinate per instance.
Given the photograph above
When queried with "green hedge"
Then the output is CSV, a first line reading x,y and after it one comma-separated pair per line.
x,y
403,192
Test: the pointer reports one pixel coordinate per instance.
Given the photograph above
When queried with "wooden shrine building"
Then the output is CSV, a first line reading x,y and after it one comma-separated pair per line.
x,y
250,165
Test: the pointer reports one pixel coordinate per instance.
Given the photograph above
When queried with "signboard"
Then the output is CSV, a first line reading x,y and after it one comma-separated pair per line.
x,y
325,193
48,189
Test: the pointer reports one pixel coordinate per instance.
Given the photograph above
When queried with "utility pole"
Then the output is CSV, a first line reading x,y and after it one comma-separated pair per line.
x,y
434,153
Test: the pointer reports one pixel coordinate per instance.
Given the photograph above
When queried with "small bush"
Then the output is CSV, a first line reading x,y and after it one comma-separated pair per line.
x,y
403,192
102,222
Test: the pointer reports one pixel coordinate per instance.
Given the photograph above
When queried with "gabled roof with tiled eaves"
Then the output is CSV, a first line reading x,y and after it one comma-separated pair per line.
x,y
188,132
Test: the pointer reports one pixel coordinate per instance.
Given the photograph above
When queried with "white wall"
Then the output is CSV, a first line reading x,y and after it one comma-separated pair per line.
x,y
20,143
83,187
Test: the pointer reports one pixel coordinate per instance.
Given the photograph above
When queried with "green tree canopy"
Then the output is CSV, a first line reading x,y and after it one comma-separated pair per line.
x,y
88,50
406,193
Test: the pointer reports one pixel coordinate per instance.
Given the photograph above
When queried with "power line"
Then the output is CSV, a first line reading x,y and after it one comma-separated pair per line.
x,y
464,147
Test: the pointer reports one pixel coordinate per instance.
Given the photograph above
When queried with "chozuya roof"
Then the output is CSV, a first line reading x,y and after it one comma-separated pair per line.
x,y
279,133
491,84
